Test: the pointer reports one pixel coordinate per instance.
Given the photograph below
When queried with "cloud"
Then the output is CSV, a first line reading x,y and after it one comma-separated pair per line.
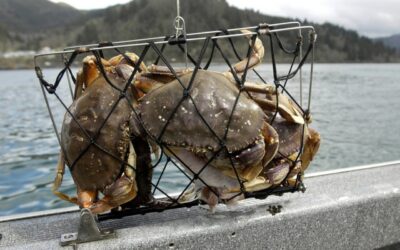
x,y
369,17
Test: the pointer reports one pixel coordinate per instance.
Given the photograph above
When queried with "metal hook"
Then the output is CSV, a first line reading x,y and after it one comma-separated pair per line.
x,y
180,29
179,24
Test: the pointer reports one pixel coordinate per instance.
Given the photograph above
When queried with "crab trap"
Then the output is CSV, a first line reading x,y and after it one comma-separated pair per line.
x,y
173,121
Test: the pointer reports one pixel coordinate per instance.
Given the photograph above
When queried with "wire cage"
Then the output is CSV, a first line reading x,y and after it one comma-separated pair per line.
x,y
165,175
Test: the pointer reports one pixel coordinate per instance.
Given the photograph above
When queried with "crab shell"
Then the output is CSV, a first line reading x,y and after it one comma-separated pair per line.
x,y
94,169
212,96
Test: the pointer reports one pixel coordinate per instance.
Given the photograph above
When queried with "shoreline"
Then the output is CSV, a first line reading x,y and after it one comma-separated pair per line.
x,y
32,67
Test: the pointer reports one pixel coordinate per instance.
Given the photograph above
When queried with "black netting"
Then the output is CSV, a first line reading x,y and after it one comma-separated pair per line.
x,y
152,168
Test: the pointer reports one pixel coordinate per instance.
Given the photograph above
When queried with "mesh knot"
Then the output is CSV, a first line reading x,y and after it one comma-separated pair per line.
x,y
185,93
307,116
51,89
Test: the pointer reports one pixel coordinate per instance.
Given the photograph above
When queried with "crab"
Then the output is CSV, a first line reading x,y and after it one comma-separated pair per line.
x,y
96,140
226,152
259,154
298,143
220,132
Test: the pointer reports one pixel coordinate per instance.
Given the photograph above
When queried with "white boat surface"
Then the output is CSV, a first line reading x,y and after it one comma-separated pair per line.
x,y
353,208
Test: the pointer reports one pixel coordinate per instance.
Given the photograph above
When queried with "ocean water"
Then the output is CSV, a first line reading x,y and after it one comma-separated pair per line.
x,y
355,107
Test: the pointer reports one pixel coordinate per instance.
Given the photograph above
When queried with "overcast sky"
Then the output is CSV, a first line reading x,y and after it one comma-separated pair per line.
x,y
372,18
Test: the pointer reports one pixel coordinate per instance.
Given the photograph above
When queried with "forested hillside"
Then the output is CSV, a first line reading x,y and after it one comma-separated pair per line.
x,y
391,41
34,24
31,16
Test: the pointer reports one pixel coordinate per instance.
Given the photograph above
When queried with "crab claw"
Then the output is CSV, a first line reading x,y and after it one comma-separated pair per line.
x,y
277,172
123,190
272,174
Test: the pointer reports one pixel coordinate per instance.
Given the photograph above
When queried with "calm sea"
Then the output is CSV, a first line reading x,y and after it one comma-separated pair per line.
x,y
355,107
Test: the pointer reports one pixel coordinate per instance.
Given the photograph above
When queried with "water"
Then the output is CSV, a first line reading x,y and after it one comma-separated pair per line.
x,y
355,108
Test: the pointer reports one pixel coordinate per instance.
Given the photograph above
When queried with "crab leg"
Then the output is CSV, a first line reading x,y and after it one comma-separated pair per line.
x,y
285,106
124,59
79,86
164,70
157,76
58,180
257,54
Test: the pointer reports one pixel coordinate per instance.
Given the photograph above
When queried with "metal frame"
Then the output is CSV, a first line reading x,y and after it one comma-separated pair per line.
x,y
74,209
200,36
161,38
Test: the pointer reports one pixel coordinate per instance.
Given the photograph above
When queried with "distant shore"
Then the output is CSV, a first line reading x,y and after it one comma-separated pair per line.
x,y
27,63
